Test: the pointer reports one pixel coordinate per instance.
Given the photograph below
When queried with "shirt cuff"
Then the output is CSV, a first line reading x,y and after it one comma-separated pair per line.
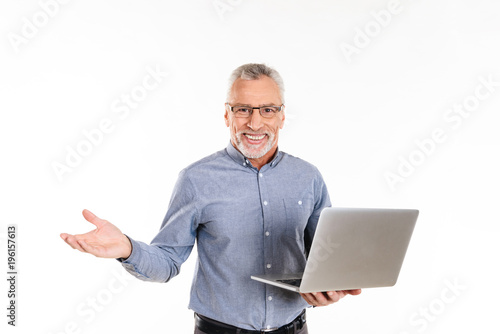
x,y
134,255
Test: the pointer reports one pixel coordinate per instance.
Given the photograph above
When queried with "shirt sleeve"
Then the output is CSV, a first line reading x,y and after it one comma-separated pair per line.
x,y
162,259
321,201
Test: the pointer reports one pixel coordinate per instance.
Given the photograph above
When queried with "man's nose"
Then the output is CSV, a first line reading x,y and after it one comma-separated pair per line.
x,y
255,120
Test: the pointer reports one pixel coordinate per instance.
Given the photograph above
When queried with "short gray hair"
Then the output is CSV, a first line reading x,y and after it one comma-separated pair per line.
x,y
254,72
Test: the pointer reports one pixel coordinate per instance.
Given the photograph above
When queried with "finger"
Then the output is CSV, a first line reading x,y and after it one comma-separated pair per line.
x,y
88,248
65,237
333,296
321,298
308,298
72,241
341,294
90,217
353,292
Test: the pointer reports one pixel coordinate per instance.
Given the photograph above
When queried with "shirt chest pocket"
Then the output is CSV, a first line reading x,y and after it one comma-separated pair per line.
x,y
297,213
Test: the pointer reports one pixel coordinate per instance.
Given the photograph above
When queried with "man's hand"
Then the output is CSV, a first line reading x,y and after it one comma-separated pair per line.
x,y
327,298
105,241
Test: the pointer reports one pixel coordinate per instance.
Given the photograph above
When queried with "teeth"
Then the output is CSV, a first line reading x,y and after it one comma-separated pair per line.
x,y
255,137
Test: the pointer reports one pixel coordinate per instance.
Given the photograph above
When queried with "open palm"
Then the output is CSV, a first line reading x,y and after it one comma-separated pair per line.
x,y
105,241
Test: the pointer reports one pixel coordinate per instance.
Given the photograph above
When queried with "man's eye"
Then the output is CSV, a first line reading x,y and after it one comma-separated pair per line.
x,y
243,110
269,110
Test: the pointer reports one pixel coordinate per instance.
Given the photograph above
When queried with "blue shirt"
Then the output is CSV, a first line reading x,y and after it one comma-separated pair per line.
x,y
245,222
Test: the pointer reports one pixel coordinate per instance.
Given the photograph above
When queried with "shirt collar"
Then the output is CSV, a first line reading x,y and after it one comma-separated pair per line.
x,y
241,160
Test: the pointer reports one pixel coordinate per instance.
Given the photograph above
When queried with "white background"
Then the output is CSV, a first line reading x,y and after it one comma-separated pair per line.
x,y
354,116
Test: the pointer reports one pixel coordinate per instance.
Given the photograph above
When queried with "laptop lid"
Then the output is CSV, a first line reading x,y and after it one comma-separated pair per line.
x,y
352,248
358,248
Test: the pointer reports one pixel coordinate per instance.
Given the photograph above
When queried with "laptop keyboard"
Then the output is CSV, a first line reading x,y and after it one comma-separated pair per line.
x,y
294,282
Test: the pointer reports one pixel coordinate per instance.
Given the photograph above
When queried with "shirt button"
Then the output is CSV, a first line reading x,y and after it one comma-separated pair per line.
x,y
265,202
300,202
261,175
267,233
268,266
269,298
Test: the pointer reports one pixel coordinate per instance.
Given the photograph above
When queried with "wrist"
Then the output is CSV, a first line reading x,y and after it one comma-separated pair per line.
x,y
128,248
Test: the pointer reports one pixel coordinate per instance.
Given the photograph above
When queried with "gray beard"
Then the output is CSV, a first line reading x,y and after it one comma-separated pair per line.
x,y
255,155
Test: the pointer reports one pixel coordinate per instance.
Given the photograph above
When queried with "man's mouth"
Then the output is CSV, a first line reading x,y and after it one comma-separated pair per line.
x,y
254,145
254,137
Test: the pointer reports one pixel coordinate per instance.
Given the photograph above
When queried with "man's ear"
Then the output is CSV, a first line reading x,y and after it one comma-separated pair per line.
x,y
226,115
282,117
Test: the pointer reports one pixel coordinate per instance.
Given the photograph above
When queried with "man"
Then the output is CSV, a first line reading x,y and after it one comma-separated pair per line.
x,y
252,210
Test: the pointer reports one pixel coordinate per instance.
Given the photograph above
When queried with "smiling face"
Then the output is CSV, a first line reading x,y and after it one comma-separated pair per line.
x,y
255,137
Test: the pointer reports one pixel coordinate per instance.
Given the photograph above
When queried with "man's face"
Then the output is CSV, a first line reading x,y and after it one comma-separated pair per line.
x,y
255,137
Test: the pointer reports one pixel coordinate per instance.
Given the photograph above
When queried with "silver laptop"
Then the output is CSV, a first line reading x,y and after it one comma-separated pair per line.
x,y
352,249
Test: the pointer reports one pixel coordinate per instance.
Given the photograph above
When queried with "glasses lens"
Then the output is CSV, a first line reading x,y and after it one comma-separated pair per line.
x,y
269,111
242,111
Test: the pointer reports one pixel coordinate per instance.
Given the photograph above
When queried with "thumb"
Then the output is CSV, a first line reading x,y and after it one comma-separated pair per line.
x,y
90,217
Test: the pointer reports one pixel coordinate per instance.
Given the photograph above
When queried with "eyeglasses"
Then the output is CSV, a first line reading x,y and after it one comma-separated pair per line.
x,y
246,111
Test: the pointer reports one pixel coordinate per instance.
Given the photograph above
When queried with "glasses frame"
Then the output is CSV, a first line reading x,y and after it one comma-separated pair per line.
x,y
280,108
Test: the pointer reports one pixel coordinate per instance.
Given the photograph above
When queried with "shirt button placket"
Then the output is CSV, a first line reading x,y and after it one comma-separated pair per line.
x,y
266,206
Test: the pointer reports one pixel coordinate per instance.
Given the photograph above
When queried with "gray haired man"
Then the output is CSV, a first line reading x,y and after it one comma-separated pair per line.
x,y
251,208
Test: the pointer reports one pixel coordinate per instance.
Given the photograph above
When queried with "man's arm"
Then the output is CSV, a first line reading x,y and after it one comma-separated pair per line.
x,y
155,262
159,261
